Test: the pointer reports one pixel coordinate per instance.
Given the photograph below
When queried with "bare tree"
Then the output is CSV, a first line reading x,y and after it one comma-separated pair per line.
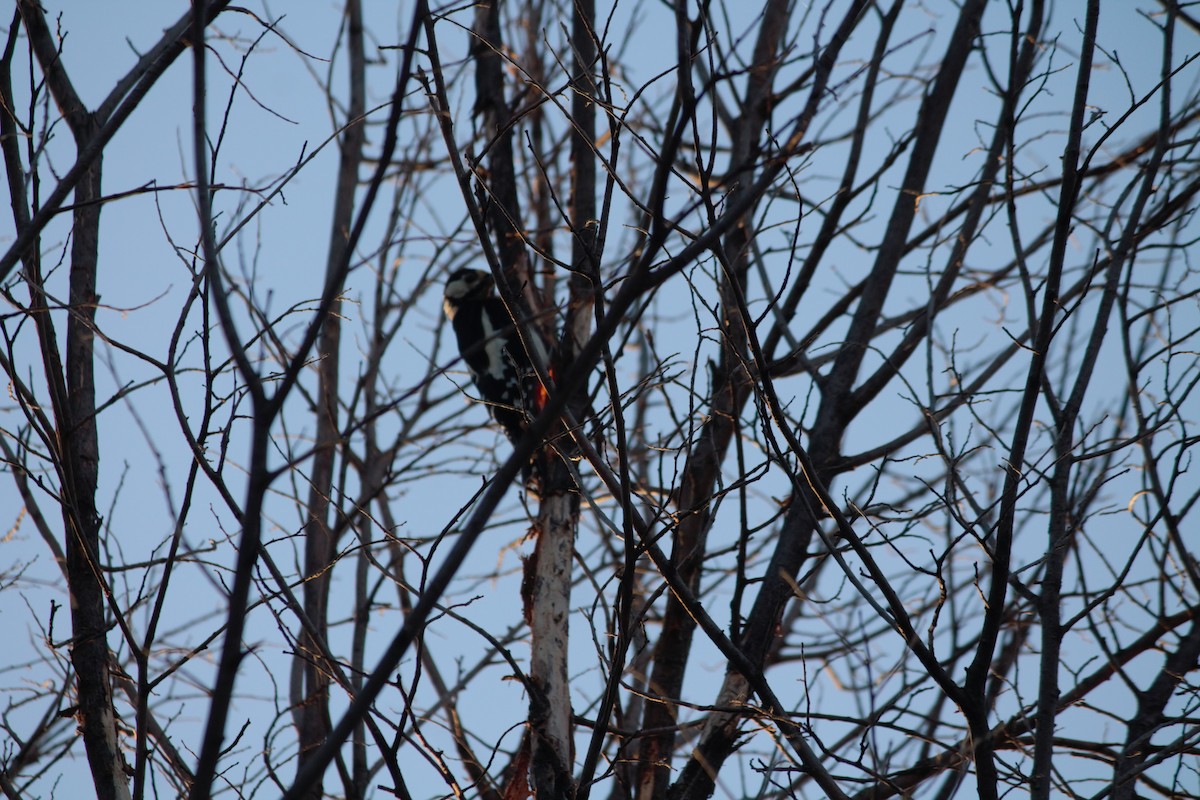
x,y
865,340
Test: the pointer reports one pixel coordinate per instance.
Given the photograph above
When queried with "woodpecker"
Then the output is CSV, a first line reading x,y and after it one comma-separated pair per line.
x,y
492,348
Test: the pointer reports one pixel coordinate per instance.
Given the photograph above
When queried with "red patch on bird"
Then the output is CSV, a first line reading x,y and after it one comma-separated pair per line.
x,y
541,396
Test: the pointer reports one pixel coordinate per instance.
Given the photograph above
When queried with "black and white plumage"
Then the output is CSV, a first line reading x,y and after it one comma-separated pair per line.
x,y
493,350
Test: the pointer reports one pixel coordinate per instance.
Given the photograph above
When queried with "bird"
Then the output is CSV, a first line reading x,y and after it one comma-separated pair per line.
x,y
491,345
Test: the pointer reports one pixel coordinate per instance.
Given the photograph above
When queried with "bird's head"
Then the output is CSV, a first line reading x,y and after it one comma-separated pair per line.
x,y
466,286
